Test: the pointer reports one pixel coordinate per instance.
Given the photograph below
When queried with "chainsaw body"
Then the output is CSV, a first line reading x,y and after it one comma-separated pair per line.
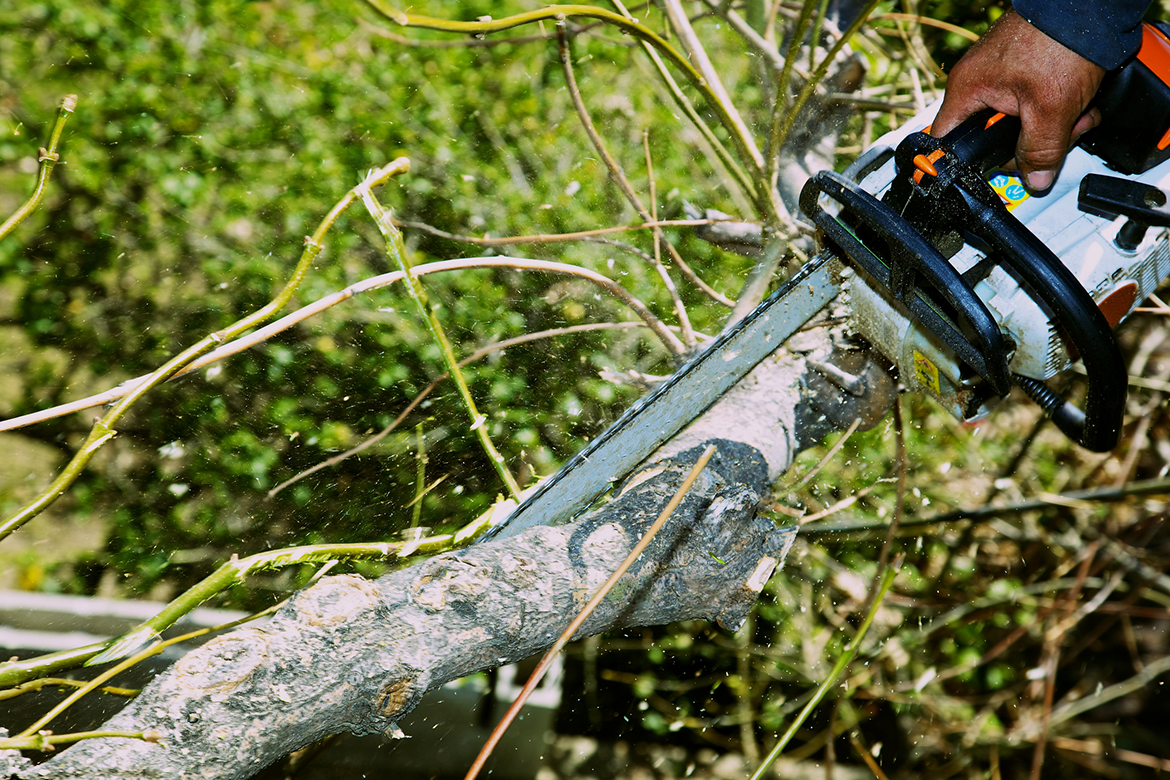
x,y
1117,279
969,284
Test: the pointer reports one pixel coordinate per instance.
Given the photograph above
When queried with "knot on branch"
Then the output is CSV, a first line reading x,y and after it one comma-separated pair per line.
x,y
448,580
337,599
225,663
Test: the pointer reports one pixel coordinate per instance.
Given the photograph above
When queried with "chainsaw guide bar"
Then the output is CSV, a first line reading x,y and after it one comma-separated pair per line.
x,y
674,404
964,280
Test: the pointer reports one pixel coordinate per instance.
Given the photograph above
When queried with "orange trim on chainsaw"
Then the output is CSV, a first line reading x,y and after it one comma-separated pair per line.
x,y
1165,140
1155,52
1118,302
925,164
994,119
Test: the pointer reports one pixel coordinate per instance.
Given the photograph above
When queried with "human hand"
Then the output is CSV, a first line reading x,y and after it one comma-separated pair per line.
x,y
1022,72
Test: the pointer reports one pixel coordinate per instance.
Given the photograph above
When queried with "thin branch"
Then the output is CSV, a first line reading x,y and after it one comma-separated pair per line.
x,y
686,270
774,211
228,575
552,238
1104,495
887,579
366,285
816,28
48,742
469,43
576,623
746,184
780,134
867,758
48,158
744,145
590,236
418,399
1134,684
900,464
396,248
844,503
917,19
682,28
420,485
61,682
619,177
825,460
154,649
104,430
781,108
758,43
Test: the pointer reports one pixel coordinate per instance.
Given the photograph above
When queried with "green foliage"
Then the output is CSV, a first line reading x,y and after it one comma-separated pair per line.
x,y
212,137
208,141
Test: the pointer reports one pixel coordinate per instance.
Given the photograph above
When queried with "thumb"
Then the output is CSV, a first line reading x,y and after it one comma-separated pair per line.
x,y
1041,148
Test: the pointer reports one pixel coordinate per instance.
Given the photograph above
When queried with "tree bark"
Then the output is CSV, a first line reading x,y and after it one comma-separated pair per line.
x,y
349,654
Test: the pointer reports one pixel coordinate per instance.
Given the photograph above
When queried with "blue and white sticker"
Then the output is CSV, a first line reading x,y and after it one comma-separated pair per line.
x,y
1009,188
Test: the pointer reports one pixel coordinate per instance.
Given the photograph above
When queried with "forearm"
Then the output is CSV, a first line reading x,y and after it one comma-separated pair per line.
x,y
1105,32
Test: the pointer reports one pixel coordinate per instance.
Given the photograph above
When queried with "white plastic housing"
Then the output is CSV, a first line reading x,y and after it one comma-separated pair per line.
x,y
1084,243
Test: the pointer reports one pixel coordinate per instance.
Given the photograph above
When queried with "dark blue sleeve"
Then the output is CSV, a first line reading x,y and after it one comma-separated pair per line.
x,y
1107,32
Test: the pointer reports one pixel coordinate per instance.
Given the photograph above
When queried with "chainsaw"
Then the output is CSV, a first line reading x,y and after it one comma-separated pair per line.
x,y
966,282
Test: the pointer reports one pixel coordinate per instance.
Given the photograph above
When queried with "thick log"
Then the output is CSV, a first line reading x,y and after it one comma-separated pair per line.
x,y
349,654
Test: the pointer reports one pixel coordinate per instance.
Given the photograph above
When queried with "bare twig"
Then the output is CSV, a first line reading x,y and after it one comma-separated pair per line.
x,y
780,132
919,19
591,236
47,742
552,238
396,248
747,184
418,399
900,465
867,758
623,183
48,158
887,579
228,574
576,623
698,55
826,459
781,107
670,341
1153,671
468,43
114,671
1107,494
62,682
744,144
104,430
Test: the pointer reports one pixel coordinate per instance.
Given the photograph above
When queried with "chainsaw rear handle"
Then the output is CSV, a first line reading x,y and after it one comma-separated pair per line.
x,y
984,140
1078,318
951,189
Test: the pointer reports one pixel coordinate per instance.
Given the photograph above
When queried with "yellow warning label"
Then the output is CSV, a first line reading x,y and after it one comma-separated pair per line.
x,y
1009,188
926,372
